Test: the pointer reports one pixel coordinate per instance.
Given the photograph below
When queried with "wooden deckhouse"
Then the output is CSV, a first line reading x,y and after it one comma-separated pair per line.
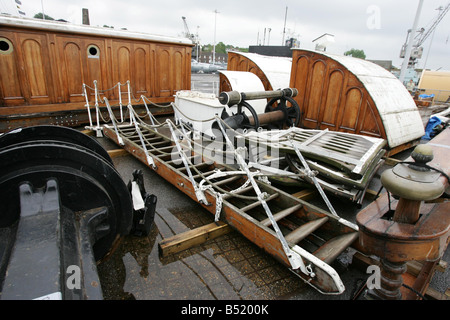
x,y
44,64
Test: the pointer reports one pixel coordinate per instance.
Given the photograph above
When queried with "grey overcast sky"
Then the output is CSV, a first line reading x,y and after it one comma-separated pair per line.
x,y
378,27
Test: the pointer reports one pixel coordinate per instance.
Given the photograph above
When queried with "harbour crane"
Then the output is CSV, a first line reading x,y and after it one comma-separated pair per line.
x,y
187,33
194,38
420,37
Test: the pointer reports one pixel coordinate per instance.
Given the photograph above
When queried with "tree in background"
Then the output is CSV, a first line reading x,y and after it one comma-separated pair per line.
x,y
222,48
40,15
356,53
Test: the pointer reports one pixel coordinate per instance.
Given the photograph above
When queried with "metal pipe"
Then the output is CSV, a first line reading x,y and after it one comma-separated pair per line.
x,y
233,97
268,117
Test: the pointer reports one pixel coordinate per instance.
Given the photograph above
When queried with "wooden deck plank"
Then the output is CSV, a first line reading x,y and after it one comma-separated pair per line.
x,y
192,238
117,152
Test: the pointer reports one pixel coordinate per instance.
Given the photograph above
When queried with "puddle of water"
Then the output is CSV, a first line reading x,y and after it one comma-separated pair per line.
x,y
228,267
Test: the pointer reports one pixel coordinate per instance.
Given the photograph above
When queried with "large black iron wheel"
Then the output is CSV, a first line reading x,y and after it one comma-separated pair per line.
x,y
292,113
54,133
86,181
246,123
239,120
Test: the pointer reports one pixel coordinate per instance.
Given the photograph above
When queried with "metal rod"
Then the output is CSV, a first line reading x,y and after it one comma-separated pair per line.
x,y
141,138
198,193
87,105
313,178
284,28
97,111
111,115
294,258
120,102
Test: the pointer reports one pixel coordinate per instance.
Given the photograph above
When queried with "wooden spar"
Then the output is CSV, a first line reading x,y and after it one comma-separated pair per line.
x,y
249,222
180,242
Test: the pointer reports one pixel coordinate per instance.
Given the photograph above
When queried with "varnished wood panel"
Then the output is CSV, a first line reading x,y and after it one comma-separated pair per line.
x,y
164,78
178,71
224,84
123,63
79,66
23,77
351,109
34,65
237,62
72,61
11,91
331,97
301,76
140,70
314,94
95,66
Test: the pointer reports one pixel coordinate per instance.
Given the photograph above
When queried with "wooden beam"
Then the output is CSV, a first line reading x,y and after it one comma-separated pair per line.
x,y
391,162
414,267
371,195
306,194
88,132
117,153
436,295
192,238
112,153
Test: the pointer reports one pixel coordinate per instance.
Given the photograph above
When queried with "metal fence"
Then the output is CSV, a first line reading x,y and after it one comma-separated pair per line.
x,y
206,83
439,95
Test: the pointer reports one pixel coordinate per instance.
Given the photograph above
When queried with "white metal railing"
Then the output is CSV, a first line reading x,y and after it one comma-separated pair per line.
x,y
207,85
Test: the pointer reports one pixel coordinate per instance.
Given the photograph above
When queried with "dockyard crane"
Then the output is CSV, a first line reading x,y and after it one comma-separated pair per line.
x,y
420,37
194,38
187,33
